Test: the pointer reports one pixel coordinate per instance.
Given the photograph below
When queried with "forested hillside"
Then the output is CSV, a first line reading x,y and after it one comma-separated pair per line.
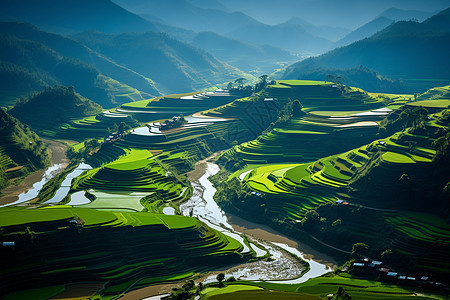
x,y
53,106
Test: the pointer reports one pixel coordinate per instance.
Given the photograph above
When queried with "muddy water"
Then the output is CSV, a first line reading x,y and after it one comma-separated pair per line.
x,y
282,249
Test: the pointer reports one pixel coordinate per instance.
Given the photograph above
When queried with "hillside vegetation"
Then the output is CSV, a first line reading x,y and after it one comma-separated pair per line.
x,y
21,150
388,180
54,106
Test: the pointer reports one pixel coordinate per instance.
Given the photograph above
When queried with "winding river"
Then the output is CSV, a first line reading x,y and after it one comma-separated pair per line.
x,y
283,250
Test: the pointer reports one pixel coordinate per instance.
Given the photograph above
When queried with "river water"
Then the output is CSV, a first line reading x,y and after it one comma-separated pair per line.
x,y
284,264
34,190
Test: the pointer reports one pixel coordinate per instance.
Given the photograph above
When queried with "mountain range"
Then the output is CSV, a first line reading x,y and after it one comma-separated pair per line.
x,y
406,49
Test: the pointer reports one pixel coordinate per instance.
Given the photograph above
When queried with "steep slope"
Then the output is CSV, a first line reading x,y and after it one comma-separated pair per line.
x,y
397,14
406,49
21,150
66,16
174,65
365,31
67,47
54,106
44,66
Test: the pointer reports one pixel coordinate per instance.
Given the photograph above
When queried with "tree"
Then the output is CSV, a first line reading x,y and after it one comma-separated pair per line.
x,y
339,79
330,77
262,84
220,277
358,249
297,109
122,127
230,85
311,219
240,81
386,255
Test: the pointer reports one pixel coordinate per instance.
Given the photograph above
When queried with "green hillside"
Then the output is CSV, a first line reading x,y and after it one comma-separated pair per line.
x,y
21,150
388,181
54,106
390,53
175,66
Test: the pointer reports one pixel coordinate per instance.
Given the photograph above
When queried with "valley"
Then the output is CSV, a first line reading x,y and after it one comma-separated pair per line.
x,y
141,179
224,149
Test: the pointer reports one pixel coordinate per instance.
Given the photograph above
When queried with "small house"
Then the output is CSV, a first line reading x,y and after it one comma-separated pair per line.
x,y
8,244
376,263
269,99
392,274
339,201
382,143
402,277
410,278
358,264
424,278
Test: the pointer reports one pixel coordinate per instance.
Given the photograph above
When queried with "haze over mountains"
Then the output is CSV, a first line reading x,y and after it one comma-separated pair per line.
x,y
156,47
406,49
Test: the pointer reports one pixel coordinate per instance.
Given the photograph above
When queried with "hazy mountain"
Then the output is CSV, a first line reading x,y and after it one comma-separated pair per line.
x,y
406,49
25,73
342,13
365,31
286,36
74,15
209,4
184,14
397,14
175,66
327,32
44,66
246,56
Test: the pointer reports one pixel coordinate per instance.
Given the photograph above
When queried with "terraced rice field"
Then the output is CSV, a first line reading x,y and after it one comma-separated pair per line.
x,y
290,190
326,129
316,288
160,246
320,181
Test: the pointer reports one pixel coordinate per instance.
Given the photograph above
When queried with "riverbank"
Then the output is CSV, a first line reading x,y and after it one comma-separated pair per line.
x,y
57,152
284,250
266,233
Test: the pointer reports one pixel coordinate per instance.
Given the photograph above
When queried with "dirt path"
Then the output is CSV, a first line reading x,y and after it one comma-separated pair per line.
x,y
149,291
57,152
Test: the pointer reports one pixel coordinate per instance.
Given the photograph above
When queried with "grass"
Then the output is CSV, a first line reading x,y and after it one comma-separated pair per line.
x,y
303,82
439,103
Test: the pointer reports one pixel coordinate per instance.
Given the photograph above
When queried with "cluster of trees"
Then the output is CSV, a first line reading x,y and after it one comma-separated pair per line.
x,y
187,291
442,144
402,119
174,123
260,85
